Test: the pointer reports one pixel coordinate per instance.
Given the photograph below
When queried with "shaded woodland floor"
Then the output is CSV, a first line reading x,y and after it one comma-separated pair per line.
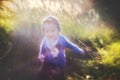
x,y
21,63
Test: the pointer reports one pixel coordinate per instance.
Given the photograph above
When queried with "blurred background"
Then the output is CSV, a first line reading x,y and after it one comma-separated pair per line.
x,y
88,23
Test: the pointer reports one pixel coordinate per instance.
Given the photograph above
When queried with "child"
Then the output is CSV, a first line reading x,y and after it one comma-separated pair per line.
x,y
52,50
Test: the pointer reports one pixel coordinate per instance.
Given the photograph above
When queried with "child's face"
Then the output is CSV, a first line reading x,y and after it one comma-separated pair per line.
x,y
51,31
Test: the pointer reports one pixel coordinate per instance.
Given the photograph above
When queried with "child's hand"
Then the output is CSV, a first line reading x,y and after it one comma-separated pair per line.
x,y
88,49
41,57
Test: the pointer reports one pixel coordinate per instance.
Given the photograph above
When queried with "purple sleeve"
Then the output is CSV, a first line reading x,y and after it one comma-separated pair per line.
x,y
73,47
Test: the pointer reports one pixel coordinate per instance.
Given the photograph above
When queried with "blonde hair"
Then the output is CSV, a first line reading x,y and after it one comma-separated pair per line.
x,y
50,19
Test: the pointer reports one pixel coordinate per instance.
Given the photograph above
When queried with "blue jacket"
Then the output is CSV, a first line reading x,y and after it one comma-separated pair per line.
x,y
60,58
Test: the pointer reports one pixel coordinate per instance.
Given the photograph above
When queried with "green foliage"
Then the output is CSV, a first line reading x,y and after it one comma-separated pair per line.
x,y
100,37
3,39
111,54
6,27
